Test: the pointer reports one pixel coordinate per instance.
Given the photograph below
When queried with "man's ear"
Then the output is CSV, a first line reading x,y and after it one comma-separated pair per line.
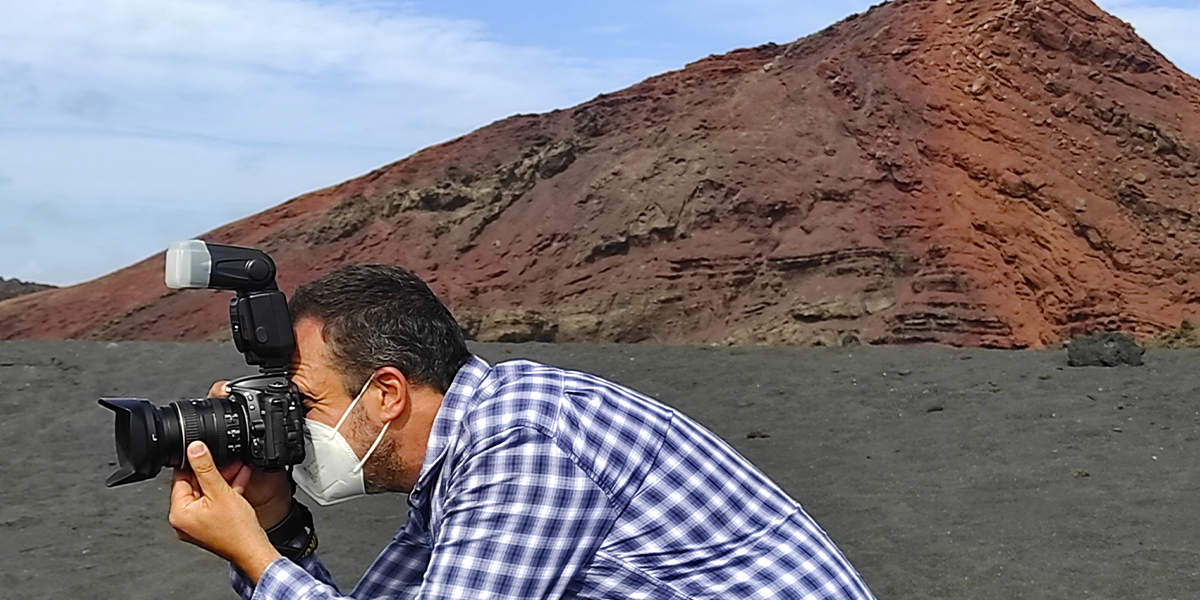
x,y
397,392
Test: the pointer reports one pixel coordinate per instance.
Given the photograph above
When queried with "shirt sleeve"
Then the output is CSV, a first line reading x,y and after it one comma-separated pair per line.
x,y
521,520
286,579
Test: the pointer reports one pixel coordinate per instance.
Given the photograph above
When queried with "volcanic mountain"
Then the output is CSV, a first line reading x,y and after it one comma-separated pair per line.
x,y
1004,173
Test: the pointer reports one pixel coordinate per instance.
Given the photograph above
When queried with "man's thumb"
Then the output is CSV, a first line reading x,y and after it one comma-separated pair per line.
x,y
202,465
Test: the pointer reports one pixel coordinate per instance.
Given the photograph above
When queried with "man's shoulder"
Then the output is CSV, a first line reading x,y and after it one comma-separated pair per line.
x,y
522,382
526,381
513,394
522,393
611,432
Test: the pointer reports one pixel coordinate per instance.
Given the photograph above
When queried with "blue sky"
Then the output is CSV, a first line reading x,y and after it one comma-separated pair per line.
x,y
128,124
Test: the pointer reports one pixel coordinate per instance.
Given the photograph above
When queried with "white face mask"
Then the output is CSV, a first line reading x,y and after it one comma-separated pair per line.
x,y
331,472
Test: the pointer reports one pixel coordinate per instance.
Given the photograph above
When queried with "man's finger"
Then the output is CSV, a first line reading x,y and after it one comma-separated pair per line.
x,y
231,470
219,389
241,479
181,489
207,475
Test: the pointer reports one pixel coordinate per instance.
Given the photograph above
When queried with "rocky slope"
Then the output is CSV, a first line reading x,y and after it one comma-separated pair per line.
x,y
988,172
11,288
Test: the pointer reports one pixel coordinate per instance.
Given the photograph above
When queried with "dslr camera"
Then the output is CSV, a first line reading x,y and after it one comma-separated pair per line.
x,y
261,422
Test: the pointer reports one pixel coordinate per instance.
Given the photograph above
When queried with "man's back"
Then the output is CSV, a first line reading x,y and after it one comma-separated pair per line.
x,y
625,497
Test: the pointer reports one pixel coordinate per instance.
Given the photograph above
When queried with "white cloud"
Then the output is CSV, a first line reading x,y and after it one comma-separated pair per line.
x,y
154,120
242,68
88,203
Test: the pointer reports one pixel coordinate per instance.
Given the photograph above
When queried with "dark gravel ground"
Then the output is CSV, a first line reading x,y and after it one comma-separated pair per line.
x,y
941,473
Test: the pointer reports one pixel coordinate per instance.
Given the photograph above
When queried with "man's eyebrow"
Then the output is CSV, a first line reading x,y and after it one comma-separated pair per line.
x,y
298,384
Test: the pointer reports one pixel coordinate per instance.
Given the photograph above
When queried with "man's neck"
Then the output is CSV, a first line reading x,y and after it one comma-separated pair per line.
x,y
413,437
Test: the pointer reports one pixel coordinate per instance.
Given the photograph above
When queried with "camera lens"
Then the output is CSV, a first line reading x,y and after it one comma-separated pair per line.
x,y
149,438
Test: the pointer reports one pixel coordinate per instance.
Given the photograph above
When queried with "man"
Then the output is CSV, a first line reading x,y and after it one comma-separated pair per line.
x,y
524,481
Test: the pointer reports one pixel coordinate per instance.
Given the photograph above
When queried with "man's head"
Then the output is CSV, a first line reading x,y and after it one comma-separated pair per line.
x,y
374,316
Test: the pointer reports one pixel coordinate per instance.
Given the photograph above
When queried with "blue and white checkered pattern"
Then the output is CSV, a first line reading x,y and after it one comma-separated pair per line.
x,y
543,483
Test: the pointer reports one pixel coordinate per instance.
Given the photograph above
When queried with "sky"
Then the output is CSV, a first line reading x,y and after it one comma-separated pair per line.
x,y
128,124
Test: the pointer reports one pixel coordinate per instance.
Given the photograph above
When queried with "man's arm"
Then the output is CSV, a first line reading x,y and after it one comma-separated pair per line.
x,y
213,514
269,494
210,513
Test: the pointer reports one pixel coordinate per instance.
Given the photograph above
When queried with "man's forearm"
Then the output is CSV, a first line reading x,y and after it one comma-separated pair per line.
x,y
284,577
256,560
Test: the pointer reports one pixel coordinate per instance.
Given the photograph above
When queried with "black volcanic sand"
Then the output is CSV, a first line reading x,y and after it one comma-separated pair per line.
x,y
941,473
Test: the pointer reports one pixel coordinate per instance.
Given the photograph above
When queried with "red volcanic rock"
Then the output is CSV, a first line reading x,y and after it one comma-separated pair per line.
x,y
989,172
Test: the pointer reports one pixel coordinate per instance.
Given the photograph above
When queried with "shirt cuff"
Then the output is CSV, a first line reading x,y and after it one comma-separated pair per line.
x,y
284,579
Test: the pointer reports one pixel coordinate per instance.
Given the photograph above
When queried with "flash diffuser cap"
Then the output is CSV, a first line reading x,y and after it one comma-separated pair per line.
x,y
188,264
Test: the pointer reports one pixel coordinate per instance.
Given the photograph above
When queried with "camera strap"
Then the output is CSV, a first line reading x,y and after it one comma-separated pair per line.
x,y
295,537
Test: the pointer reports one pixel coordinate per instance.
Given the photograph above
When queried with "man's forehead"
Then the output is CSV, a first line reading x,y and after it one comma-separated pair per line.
x,y
310,344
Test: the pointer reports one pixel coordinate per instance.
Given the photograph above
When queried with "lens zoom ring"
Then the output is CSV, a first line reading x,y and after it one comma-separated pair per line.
x,y
191,423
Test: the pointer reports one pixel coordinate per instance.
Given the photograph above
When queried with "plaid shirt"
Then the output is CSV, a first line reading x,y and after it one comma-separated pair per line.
x,y
544,483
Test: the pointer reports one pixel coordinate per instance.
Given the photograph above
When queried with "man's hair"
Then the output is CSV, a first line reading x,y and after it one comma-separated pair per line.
x,y
374,316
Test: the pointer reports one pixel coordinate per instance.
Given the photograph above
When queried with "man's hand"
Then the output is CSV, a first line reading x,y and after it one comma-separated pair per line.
x,y
213,514
270,493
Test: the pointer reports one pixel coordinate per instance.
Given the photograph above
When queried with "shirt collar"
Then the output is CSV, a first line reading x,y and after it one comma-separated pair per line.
x,y
455,404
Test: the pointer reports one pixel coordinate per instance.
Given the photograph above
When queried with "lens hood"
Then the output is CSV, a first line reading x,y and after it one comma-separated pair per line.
x,y
140,434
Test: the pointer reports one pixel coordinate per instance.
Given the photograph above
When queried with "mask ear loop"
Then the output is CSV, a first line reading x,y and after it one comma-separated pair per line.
x,y
358,467
338,427
370,450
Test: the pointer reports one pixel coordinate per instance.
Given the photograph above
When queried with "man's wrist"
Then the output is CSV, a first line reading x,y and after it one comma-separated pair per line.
x,y
254,565
275,510
270,517
295,536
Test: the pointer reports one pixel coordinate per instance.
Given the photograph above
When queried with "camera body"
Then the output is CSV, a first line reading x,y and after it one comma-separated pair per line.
x,y
261,421
273,416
